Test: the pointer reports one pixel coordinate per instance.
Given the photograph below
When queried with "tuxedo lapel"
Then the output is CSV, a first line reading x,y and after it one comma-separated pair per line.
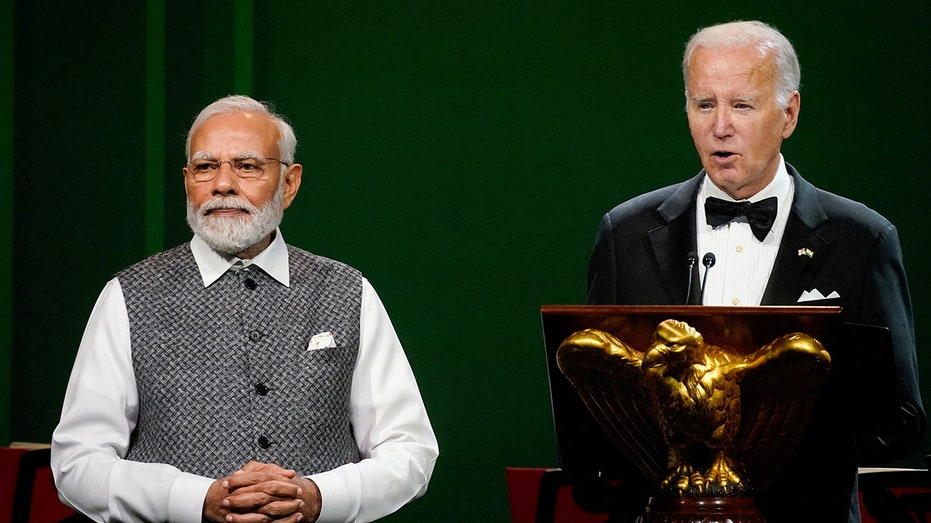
x,y
801,251
672,242
800,254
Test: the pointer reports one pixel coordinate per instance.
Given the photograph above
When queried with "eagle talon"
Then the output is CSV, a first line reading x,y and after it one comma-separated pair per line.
x,y
684,480
723,475
680,477
698,482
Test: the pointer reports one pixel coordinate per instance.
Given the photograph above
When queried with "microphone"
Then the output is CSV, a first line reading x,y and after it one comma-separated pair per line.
x,y
691,259
708,261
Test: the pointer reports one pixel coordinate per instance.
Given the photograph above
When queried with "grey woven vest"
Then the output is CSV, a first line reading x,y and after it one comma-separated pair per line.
x,y
224,374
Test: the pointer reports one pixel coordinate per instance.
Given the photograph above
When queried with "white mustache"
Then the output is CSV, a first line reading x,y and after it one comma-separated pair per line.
x,y
226,202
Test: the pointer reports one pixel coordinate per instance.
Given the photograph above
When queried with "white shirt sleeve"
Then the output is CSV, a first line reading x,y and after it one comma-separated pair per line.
x,y
390,425
98,416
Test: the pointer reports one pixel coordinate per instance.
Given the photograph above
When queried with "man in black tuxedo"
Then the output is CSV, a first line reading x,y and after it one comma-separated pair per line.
x,y
796,245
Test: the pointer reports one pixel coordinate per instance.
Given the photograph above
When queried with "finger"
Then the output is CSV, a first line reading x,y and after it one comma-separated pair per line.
x,y
262,518
248,479
281,509
252,502
250,498
256,466
274,509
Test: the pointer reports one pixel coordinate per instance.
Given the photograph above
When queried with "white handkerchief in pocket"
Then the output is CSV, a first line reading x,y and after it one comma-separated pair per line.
x,y
815,295
324,340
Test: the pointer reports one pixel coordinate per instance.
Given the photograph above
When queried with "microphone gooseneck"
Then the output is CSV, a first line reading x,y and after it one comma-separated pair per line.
x,y
708,261
691,259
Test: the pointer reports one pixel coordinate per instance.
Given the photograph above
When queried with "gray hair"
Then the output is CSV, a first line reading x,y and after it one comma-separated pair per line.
x,y
739,34
287,142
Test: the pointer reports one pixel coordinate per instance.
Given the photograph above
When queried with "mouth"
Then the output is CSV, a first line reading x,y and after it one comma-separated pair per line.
x,y
723,159
226,212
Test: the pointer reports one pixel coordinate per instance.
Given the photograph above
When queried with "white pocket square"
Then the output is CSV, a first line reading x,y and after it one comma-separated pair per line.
x,y
815,295
324,340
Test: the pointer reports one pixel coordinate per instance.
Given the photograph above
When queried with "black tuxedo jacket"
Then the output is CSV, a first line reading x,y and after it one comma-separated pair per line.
x,y
831,244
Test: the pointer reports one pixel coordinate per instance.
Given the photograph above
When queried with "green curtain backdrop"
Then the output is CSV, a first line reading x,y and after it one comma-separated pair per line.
x,y
460,154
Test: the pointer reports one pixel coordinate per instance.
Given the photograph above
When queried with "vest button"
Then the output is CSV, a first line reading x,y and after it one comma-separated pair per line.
x,y
255,335
261,389
250,284
264,443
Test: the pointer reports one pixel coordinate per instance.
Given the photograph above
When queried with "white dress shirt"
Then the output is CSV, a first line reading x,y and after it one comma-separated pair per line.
x,y
743,263
389,421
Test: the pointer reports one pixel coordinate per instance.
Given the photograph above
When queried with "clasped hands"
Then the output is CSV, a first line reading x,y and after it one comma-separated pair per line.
x,y
262,493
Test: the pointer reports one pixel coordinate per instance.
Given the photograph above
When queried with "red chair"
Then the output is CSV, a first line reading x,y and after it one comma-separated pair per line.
x,y
897,495
9,467
27,490
545,496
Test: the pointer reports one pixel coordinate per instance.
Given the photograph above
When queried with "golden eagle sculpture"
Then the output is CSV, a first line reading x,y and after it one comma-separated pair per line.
x,y
697,419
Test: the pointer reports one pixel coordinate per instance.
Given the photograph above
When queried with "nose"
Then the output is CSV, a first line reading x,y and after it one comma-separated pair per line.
x,y
226,181
722,123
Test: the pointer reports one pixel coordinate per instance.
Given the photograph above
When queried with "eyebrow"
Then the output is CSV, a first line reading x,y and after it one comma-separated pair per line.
x,y
699,99
245,155
748,99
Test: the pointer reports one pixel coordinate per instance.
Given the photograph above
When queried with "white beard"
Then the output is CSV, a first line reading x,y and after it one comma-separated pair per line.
x,y
231,236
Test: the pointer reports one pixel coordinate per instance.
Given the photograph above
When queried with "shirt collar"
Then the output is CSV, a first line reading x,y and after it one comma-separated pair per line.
x,y
212,265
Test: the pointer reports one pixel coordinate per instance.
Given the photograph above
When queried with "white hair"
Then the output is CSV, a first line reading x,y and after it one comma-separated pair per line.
x,y
742,33
287,142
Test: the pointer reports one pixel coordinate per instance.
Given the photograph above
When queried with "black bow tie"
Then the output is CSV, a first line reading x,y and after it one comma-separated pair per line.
x,y
760,214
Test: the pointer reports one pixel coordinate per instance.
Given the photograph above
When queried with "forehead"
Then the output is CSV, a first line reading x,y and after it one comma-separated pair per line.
x,y
236,132
738,69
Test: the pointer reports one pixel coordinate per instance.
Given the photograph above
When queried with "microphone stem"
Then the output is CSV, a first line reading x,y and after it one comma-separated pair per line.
x,y
708,261
688,290
704,281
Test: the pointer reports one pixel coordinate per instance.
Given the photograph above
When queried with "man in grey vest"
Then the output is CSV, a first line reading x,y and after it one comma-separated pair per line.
x,y
238,378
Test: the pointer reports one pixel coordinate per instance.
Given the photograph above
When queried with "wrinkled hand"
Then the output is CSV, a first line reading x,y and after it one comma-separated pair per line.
x,y
262,493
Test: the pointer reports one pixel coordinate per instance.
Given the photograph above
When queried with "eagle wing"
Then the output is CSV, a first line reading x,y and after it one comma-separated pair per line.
x,y
779,386
606,374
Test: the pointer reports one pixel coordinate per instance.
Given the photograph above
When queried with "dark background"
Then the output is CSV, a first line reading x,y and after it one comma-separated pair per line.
x,y
460,154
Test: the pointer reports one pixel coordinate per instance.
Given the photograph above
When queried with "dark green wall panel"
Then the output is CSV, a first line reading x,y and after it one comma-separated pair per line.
x,y
6,218
459,155
79,109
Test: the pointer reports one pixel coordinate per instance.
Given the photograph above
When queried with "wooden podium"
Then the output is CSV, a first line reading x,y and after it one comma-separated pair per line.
x,y
705,510
596,440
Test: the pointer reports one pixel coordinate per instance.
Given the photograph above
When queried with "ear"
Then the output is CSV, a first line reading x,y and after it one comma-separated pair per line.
x,y
292,182
791,114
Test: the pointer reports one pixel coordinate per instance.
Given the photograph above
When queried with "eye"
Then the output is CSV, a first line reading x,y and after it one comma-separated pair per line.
x,y
248,167
201,167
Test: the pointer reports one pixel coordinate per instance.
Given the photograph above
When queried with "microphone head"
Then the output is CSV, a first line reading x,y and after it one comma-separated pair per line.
x,y
691,258
708,260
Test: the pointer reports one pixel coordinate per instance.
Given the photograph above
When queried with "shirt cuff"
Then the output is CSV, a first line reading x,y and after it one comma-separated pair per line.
x,y
336,503
186,498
